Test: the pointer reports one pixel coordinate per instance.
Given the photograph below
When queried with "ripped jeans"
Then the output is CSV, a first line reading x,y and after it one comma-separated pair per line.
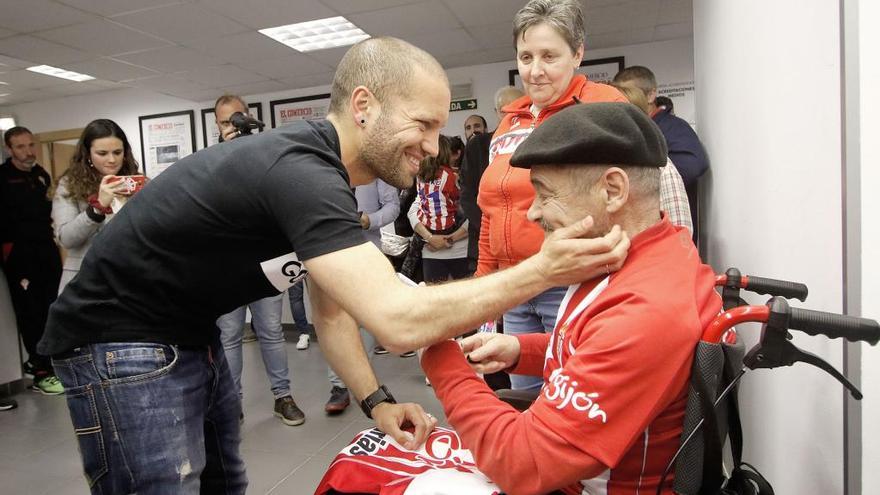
x,y
153,418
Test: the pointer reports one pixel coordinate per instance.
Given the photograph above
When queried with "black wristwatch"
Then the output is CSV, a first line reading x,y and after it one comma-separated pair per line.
x,y
379,396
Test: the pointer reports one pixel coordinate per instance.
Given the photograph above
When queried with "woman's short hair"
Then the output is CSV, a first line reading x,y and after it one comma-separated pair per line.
x,y
564,16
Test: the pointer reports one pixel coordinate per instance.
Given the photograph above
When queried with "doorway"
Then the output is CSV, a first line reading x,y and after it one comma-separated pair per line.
x,y
55,149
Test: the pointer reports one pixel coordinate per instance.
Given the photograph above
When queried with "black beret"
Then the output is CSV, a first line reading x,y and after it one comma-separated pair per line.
x,y
594,134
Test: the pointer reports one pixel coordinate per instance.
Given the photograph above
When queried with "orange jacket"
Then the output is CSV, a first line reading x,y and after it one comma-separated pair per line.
x,y
506,235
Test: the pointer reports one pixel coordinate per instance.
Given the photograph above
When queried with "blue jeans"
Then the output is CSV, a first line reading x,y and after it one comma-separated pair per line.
x,y
298,308
266,319
369,341
297,305
154,418
533,316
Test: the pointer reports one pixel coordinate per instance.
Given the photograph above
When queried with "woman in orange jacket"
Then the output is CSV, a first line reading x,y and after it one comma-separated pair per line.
x,y
549,38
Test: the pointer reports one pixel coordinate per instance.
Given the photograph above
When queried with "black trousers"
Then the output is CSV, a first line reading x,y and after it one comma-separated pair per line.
x,y
33,272
440,270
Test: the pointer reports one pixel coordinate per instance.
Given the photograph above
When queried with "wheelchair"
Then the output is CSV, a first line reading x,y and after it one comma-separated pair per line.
x,y
712,415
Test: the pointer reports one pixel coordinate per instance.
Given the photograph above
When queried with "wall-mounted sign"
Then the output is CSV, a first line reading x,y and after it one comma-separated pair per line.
x,y
165,139
457,105
302,108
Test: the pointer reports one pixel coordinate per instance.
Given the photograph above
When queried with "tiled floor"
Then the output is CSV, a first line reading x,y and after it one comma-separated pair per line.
x,y
38,453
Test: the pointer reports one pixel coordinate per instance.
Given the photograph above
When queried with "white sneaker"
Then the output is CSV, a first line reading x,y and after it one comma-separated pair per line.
x,y
303,342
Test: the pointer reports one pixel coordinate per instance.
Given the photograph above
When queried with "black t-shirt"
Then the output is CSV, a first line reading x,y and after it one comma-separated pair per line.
x,y
215,231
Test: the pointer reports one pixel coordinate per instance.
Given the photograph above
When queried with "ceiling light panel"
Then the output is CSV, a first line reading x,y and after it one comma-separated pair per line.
x,y
62,73
317,35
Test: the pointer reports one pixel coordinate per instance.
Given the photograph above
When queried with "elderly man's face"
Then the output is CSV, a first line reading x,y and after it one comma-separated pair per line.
x,y
563,198
407,132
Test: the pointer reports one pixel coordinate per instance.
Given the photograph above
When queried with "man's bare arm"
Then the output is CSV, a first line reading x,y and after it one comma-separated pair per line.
x,y
403,318
341,344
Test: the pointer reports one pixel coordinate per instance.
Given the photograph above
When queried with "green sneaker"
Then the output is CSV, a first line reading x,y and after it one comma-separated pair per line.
x,y
49,385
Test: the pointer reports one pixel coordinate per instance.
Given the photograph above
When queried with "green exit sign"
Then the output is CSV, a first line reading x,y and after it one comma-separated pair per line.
x,y
459,105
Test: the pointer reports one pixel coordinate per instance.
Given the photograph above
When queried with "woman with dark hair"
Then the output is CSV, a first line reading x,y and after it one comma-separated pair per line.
x,y
433,218
81,205
456,151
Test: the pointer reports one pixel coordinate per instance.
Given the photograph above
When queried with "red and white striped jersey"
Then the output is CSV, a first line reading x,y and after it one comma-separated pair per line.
x,y
374,463
438,200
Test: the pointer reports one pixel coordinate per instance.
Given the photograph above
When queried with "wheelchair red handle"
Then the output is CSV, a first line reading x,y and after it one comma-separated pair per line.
x,y
768,286
729,319
811,322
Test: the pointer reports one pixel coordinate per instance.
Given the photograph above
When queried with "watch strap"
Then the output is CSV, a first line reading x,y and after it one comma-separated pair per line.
x,y
379,396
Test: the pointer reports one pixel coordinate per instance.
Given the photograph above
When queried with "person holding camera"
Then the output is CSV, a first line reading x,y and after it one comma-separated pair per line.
x,y
98,173
265,313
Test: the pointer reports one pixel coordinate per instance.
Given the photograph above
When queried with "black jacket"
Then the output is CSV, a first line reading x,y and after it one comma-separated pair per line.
x,y
25,206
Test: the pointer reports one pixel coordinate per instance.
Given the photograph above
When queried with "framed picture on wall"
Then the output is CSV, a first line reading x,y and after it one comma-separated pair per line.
x,y
303,108
601,70
210,133
166,138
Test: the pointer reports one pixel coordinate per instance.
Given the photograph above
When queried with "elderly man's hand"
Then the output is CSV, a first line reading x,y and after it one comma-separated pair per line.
x,y
566,257
392,418
490,352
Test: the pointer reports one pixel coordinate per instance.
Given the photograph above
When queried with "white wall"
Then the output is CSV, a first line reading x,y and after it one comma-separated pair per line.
x,y
672,61
769,116
869,67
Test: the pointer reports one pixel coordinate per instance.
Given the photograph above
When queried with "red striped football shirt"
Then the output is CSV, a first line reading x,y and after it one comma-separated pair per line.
x,y
438,200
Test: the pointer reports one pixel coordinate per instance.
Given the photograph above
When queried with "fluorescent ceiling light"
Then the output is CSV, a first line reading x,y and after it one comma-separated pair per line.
x,y
63,74
317,35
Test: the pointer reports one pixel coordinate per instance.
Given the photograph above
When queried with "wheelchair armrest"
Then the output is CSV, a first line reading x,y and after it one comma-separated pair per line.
x,y
519,399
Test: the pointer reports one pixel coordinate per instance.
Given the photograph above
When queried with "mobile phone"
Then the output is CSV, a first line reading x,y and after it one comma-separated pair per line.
x,y
134,183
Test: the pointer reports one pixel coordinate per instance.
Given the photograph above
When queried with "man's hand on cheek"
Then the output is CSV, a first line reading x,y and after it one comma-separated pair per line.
x,y
567,257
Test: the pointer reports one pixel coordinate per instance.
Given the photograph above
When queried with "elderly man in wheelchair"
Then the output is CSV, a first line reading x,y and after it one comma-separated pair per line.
x,y
616,367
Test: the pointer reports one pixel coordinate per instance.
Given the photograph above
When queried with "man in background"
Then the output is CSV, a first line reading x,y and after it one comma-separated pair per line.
x,y
29,254
475,124
685,149
265,313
